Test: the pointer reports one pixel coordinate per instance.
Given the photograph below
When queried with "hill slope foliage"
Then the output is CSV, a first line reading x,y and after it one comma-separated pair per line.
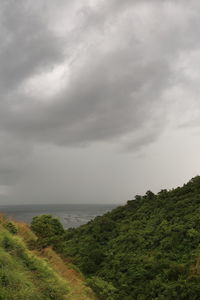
x,y
28,272
147,249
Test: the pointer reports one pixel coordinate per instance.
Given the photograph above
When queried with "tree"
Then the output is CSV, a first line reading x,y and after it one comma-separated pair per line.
x,y
48,229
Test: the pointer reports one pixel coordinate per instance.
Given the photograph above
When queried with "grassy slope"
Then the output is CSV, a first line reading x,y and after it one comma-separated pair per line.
x,y
76,281
148,249
31,275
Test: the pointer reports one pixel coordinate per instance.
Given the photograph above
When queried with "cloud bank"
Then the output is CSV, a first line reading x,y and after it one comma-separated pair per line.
x,y
74,74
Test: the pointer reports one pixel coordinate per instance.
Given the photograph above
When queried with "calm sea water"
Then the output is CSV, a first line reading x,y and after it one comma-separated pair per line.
x,y
70,215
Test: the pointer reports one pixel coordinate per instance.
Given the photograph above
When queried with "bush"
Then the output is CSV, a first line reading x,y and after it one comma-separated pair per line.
x,y
46,226
104,290
11,227
48,229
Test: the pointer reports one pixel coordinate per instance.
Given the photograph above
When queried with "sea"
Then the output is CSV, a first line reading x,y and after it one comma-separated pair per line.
x,y
70,215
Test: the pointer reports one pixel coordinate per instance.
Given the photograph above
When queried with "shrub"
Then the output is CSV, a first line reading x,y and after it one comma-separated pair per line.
x,y
103,289
47,226
11,227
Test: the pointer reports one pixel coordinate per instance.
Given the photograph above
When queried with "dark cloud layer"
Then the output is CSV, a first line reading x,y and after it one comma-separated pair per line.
x,y
28,46
120,62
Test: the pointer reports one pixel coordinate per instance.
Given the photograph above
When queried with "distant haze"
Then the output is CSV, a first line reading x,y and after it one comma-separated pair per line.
x,y
99,99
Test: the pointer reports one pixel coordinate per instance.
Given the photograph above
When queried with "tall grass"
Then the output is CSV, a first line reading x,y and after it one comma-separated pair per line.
x,y
24,276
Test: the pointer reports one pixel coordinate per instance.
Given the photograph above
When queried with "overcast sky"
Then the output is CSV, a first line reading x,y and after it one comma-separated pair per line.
x,y
99,99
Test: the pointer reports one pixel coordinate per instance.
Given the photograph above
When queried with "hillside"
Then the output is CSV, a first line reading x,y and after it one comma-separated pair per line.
x,y
147,249
30,274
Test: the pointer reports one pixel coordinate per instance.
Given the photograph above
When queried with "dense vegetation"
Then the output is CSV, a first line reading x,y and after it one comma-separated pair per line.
x,y
39,274
147,249
24,276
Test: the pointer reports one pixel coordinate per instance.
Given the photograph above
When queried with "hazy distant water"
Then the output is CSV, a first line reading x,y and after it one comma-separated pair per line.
x,y
70,215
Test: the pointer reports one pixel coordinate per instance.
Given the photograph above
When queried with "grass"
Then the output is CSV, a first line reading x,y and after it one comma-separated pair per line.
x,y
35,275
25,276
78,288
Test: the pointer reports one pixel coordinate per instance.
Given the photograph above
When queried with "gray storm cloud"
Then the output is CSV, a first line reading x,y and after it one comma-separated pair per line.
x,y
119,60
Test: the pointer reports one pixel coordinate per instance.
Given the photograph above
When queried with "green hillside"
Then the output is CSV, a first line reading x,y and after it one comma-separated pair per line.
x,y
147,249
30,274
25,276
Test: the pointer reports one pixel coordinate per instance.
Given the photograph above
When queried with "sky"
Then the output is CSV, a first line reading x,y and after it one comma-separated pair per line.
x,y
99,100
